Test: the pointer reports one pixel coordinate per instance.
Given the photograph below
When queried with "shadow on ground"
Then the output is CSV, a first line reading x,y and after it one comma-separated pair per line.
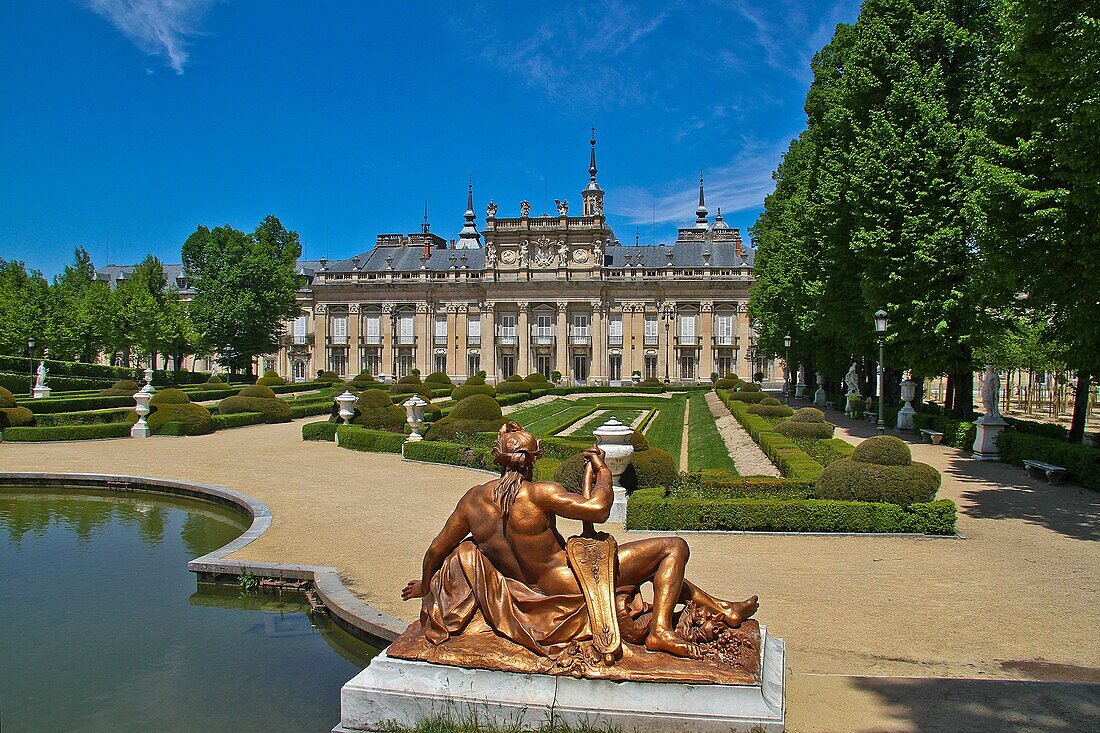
x,y
988,706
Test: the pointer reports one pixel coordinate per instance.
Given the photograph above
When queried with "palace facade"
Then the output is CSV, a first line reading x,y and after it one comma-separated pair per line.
x,y
544,293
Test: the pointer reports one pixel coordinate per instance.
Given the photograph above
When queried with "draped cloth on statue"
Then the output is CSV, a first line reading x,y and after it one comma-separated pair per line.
x,y
468,583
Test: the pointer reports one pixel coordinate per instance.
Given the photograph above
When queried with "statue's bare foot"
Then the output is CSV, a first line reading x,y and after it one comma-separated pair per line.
x,y
667,641
734,613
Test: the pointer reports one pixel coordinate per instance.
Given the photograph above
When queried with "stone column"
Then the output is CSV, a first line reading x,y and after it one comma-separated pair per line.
x,y
598,368
561,345
421,326
741,329
458,368
489,341
523,340
706,354
320,339
355,364
386,328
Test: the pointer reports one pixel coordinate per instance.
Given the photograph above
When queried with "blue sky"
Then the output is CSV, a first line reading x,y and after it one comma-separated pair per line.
x,y
146,118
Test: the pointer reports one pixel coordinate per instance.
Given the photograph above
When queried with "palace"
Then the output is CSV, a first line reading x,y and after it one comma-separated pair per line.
x,y
527,294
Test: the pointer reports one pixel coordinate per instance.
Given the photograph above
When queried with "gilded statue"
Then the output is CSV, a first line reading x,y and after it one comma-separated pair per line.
x,y
501,587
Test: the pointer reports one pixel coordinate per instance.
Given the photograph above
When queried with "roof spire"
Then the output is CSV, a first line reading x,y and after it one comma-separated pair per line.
x,y
470,197
426,226
592,159
701,212
469,237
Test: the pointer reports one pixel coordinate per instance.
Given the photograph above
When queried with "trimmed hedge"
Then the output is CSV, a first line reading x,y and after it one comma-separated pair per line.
x,y
257,390
438,378
15,417
320,430
274,410
807,422
453,454
764,409
180,419
76,404
651,509
22,383
508,387
90,417
354,437
306,409
474,414
23,365
237,419
1082,461
653,467
956,433
122,387
881,469
69,432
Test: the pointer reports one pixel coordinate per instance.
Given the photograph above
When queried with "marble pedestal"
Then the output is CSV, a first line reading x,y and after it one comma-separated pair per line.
x,y
40,392
819,398
618,508
985,439
800,390
905,418
403,692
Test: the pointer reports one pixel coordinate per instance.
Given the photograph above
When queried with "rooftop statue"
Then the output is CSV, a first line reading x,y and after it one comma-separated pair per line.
x,y
502,589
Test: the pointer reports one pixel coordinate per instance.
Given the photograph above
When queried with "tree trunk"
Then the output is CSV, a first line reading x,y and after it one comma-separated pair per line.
x,y
963,408
1080,406
949,394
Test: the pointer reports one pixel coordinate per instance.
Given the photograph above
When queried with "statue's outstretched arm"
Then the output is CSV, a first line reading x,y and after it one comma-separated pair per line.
x,y
456,529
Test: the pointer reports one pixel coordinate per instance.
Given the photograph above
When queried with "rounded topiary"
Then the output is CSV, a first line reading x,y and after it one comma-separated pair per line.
x,y
766,409
750,397
193,419
257,390
215,382
7,399
653,382
749,387
214,379
375,410
373,398
883,450
274,411
639,442
807,422
536,378
411,388
475,380
474,414
170,396
770,401
122,387
514,378
727,383
327,377
271,378
510,386
850,480
438,378
570,472
653,467
471,388
15,417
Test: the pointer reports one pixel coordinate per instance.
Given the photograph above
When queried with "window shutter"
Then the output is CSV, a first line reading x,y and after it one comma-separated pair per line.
x,y
374,327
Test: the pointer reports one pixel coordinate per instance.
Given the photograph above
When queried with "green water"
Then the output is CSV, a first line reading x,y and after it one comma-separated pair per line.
x,y
101,627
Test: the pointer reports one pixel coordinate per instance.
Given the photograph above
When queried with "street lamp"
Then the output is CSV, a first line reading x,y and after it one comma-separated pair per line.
x,y
668,324
881,324
30,354
787,370
750,354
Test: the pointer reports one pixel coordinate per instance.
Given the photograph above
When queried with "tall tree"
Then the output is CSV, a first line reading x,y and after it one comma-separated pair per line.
x,y
24,308
80,311
245,288
1037,177
138,311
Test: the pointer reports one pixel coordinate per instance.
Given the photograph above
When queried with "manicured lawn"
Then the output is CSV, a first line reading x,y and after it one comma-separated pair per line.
x,y
528,416
626,416
706,449
666,430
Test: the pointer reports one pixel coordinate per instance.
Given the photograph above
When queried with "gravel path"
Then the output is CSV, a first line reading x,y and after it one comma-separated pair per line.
x,y
746,454
684,465
508,410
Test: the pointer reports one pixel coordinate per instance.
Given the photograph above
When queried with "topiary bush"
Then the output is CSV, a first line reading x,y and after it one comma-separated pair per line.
x,y
215,382
7,399
807,422
766,409
257,390
15,417
121,387
653,382
375,410
750,397
653,467
881,469
171,396
180,419
271,378
537,380
327,377
411,388
513,386
472,386
474,414
770,401
275,411
639,442
438,378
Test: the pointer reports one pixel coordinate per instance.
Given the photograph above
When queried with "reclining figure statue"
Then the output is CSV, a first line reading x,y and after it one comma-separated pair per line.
x,y
501,588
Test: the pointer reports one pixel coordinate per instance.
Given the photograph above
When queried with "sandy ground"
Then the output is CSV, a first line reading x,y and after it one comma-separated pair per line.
x,y
883,633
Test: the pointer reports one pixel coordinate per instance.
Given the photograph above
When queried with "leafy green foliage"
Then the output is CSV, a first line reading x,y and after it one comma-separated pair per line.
x,y
274,410
321,430
12,417
1082,462
68,432
354,437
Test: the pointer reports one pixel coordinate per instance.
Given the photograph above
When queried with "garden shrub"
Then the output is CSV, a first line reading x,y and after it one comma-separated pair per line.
x,y
87,417
68,432
750,397
749,387
881,469
320,430
474,414
727,383
121,387
15,417
215,382
257,390
513,386
453,454
327,377
651,509
274,410
307,408
770,401
764,409
472,386
537,380
354,437
570,472
825,450
1082,461
7,399
410,388
652,382
171,396
639,442
653,467
956,433
180,419
271,378
807,422
236,420
375,410
438,378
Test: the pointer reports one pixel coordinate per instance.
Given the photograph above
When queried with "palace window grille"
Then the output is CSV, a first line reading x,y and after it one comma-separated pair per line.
x,y
439,363
650,367
340,331
615,367
473,364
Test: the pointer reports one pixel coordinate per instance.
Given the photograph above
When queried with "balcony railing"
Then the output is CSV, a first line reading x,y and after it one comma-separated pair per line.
x,y
580,339
730,341
651,339
544,337
300,339
473,340
689,342
614,340
403,340
507,339
440,340
338,340
373,340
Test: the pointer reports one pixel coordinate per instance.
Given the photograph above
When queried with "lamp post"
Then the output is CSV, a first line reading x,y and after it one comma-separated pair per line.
x,y
668,324
881,324
787,370
30,355
750,354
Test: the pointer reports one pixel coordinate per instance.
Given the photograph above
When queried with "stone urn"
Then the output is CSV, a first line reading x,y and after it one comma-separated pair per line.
x,y
636,378
140,429
346,402
613,438
149,380
414,411
906,413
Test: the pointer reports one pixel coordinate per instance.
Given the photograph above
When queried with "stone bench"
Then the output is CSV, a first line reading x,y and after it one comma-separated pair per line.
x,y
1054,474
870,417
933,435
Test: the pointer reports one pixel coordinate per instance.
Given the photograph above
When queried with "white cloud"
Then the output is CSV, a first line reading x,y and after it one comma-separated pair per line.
x,y
773,31
156,27
740,185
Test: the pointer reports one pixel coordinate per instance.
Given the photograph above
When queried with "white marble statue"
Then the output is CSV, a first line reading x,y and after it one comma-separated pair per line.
x,y
490,255
491,210
523,253
851,379
525,208
563,207
991,394
563,253
801,373
40,375
597,252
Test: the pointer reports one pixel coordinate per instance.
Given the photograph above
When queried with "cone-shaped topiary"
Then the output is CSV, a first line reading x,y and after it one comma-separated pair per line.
x,y
807,422
880,469
474,414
